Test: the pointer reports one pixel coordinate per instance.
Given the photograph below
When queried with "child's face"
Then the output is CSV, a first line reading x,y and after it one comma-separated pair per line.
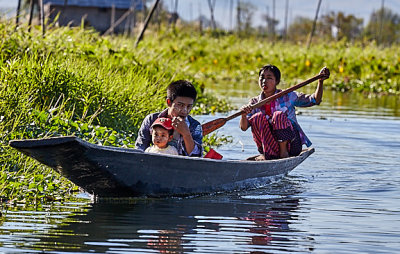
x,y
267,82
181,106
160,137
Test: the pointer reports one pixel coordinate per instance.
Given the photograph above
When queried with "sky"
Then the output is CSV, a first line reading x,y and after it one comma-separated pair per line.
x,y
191,9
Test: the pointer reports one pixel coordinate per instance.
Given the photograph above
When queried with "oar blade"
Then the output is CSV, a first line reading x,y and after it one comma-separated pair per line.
x,y
213,125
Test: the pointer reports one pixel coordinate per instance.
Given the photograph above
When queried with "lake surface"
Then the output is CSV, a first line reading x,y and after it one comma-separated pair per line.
x,y
345,198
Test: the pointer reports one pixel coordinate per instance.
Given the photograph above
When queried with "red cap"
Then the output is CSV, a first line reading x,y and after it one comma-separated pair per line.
x,y
164,122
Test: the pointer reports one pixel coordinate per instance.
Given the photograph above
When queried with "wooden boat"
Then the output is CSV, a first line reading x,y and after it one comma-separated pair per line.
x,y
123,172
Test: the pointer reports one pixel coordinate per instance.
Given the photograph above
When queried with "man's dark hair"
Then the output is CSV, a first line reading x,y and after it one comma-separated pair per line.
x,y
273,69
181,88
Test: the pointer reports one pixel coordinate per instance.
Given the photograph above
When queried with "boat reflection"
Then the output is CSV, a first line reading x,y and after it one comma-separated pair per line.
x,y
248,234
270,222
232,223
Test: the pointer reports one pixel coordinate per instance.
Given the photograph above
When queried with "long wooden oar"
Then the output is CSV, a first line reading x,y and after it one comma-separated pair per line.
x,y
218,123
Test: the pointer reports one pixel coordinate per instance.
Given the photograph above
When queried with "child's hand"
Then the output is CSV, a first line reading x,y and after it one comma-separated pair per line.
x,y
324,71
246,109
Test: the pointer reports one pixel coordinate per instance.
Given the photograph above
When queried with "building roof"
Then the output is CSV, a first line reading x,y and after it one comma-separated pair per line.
x,y
121,4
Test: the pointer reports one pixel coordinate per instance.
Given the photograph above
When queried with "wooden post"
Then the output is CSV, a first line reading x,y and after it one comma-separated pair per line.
x,y
146,23
133,24
159,19
200,20
268,20
119,21
18,13
286,19
63,10
175,16
381,21
126,29
314,24
211,6
31,6
238,16
112,18
231,15
42,17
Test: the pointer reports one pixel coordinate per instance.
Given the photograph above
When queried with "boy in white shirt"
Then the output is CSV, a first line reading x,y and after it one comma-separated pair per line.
x,y
162,132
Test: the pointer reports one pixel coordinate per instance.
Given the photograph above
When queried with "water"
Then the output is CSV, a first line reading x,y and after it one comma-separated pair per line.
x,y
345,198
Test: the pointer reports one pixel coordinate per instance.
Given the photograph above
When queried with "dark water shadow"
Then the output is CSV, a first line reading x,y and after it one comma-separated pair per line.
x,y
257,221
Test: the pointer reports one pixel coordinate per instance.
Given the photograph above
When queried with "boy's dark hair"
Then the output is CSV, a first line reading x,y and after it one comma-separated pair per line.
x,y
181,88
273,69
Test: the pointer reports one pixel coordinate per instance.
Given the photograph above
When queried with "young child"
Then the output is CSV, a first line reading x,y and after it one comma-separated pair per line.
x,y
161,133
274,126
188,134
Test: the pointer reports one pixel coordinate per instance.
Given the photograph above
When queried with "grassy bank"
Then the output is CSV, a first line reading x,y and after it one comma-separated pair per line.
x,y
75,82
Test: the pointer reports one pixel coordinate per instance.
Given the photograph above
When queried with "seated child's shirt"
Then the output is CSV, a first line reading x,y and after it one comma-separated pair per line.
x,y
144,137
168,150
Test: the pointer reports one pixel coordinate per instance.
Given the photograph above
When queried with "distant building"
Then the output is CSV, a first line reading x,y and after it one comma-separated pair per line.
x,y
99,14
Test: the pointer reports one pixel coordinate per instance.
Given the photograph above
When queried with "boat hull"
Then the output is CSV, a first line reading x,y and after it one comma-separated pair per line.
x,y
120,172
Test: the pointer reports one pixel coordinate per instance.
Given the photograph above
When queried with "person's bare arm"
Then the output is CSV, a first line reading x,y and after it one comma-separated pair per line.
x,y
320,89
244,123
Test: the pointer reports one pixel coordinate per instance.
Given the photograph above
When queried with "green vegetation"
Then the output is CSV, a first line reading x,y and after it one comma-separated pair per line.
x,y
75,82
226,61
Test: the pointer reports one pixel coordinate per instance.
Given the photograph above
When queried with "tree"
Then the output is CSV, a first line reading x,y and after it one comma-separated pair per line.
x,y
245,16
271,24
300,28
339,26
384,26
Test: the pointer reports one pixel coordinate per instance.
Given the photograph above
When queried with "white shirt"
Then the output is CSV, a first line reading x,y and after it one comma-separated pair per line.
x,y
168,150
